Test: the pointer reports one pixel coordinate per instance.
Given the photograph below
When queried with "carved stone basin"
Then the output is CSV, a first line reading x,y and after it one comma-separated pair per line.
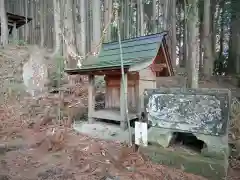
x,y
204,111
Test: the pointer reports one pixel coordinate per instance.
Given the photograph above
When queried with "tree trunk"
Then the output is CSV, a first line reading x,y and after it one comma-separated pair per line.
x,y
89,26
221,40
201,46
154,25
122,20
33,5
141,13
165,15
4,24
193,44
208,56
174,34
126,19
26,20
75,26
30,29
181,23
57,26
69,39
221,29
132,32
106,19
83,23
96,9
109,30
42,16
234,56
185,38
214,26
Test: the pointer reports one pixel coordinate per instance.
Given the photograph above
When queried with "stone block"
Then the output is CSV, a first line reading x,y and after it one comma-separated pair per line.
x,y
211,168
216,146
162,137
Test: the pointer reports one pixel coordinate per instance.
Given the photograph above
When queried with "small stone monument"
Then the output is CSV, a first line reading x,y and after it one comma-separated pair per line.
x,y
35,72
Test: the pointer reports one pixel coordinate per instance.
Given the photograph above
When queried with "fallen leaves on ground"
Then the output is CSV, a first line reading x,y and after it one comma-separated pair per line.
x,y
54,151
48,149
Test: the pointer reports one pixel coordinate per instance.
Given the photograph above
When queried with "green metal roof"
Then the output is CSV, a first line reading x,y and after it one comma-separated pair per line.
x,y
136,50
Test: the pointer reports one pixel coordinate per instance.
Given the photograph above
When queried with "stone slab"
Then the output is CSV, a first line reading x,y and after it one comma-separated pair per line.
x,y
211,168
161,136
204,111
102,130
216,146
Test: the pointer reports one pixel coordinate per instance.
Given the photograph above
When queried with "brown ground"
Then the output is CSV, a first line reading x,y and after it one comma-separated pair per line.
x,y
34,148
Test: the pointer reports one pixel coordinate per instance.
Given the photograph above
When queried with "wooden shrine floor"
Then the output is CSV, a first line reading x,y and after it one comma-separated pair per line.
x,y
112,114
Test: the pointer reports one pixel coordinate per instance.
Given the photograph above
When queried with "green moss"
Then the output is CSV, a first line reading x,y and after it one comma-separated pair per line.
x,y
210,168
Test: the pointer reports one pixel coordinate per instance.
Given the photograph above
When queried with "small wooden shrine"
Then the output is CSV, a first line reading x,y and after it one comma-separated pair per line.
x,y
15,21
144,58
